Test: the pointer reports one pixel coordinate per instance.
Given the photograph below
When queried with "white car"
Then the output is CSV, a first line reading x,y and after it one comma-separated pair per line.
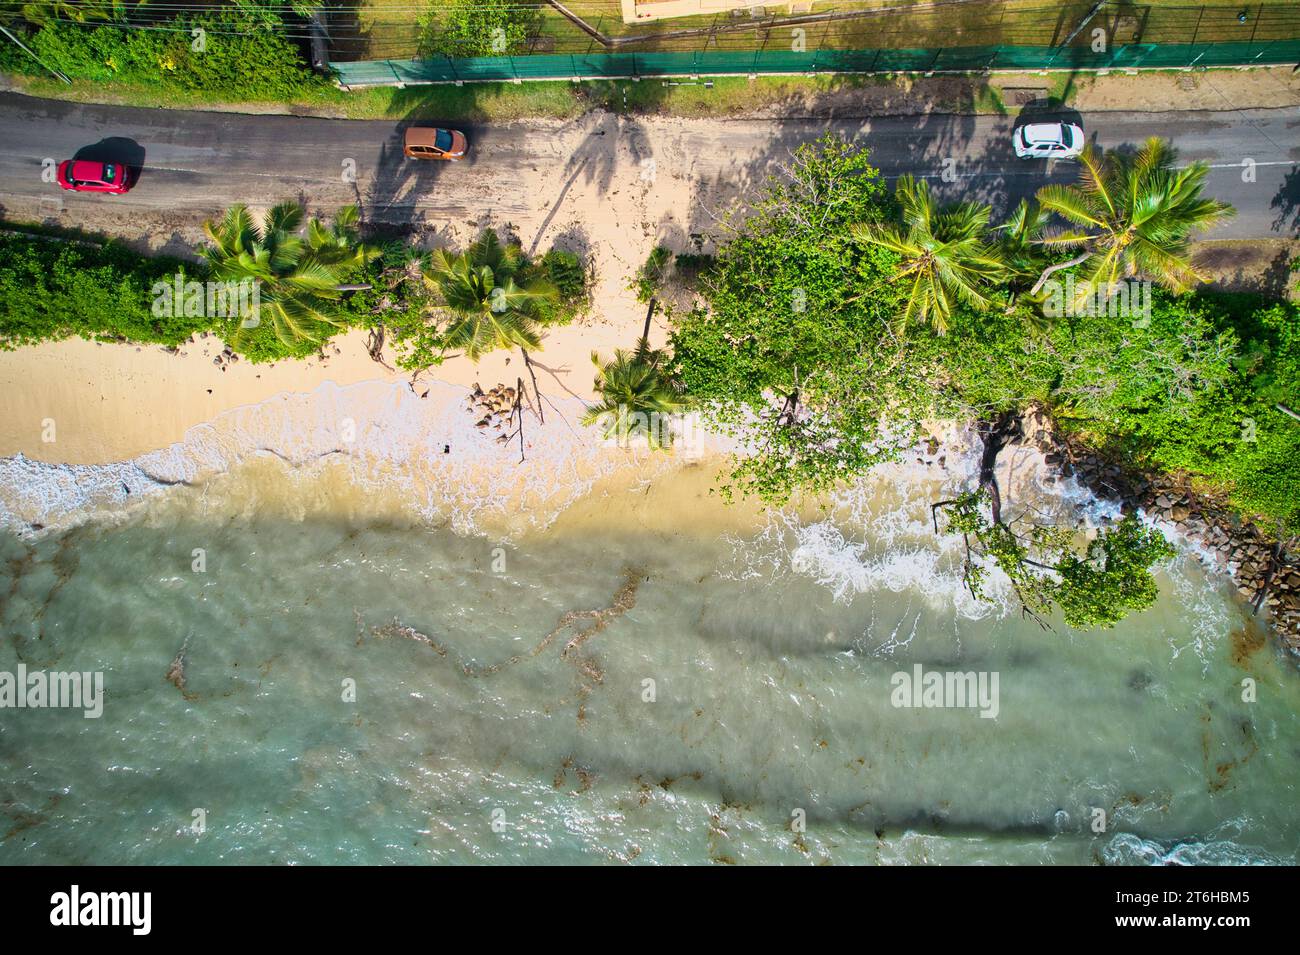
x,y
1048,141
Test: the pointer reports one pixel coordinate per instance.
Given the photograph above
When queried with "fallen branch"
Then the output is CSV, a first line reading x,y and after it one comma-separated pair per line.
x,y
528,363
375,345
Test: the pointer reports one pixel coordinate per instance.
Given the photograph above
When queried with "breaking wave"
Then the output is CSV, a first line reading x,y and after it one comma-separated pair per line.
x,y
424,453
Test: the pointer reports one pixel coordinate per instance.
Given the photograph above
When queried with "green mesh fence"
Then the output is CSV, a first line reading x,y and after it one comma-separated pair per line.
x,y
731,62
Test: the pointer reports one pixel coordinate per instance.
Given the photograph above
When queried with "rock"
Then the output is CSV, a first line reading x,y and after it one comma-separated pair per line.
x,y
1179,512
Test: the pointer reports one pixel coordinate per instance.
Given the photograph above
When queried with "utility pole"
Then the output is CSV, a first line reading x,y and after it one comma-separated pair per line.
x,y
1076,31
25,49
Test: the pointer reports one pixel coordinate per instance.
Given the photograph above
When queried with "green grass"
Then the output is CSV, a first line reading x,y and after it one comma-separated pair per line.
x,y
988,99
498,102
388,25
472,102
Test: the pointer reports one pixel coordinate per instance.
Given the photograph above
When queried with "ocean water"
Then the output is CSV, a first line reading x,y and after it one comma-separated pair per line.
x,y
647,676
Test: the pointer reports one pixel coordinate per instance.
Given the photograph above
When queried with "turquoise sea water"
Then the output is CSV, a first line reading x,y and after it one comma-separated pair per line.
x,y
475,738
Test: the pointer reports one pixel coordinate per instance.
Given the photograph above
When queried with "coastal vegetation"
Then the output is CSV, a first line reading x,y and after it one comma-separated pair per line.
x,y
51,289
795,345
299,277
1094,584
192,53
944,255
839,318
638,393
60,285
490,295
483,304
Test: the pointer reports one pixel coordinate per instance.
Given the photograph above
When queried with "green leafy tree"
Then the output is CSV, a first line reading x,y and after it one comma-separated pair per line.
x,y
52,289
299,279
787,352
1134,215
484,307
944,256
1094,586
1198,384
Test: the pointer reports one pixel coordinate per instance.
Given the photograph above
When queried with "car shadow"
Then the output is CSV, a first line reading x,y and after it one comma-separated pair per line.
x,y
116,149
391,197
1048,111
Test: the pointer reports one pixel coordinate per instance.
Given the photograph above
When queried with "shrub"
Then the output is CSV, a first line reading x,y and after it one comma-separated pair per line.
x,y
52,289
566,271
476,28
235,56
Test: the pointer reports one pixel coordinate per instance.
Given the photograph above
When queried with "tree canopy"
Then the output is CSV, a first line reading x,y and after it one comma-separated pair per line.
x,y
798,349
795,345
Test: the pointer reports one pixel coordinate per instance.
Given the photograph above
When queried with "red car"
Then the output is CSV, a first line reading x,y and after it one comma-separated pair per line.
x,y
84,175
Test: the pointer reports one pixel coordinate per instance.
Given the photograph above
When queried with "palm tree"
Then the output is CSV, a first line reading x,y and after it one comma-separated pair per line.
x,y
637,393
1134,215
1020,242
298,281
1019,239
944,253
339,244
486,307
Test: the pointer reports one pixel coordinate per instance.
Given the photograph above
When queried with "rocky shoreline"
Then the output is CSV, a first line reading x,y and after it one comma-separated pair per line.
x,y
1223,541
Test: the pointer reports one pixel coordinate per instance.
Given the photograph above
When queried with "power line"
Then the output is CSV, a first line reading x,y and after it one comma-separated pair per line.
x,y
151,17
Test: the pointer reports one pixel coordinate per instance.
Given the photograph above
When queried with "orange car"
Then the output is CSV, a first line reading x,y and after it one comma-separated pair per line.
x,y
428,143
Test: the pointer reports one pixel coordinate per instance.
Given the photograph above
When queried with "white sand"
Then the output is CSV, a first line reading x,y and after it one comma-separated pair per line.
x,y
114,402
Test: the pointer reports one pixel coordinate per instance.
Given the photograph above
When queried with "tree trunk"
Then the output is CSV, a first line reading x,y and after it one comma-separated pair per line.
x,y
649,314
375,344
996,434
1047,272
1268,577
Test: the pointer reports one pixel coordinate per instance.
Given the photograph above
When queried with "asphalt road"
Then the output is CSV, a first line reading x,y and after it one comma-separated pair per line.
x,y
196,163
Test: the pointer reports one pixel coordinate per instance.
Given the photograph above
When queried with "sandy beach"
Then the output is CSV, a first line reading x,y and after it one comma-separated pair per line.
x,y
111,402
598,195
